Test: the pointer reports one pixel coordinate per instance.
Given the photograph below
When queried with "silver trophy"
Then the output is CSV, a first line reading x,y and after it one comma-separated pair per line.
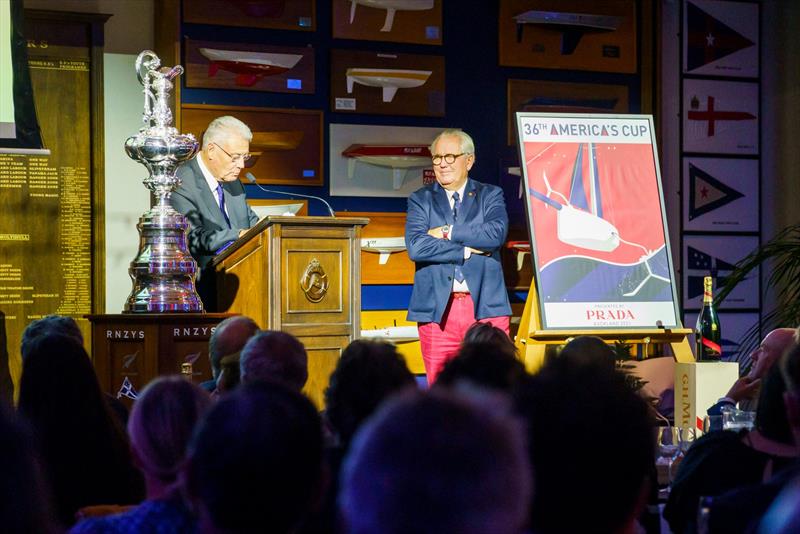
x,y
163,271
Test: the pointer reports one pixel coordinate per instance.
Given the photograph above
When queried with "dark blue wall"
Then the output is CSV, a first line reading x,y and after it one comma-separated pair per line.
x,y
475,93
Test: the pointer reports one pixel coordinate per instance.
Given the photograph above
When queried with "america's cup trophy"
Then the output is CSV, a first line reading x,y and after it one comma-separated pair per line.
x,y
163,271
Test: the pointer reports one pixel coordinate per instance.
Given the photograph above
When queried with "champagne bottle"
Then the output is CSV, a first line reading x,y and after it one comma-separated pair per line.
x,y
707,332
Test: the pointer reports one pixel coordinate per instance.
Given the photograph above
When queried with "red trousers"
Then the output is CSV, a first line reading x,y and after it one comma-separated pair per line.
x,y
439,342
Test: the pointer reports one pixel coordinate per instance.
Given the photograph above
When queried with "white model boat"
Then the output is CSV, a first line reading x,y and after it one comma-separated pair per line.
x,y
384,246
391,7
399,158
248,66
389,79
397,334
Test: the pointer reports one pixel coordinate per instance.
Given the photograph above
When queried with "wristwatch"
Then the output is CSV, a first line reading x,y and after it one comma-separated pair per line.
x,y
446,231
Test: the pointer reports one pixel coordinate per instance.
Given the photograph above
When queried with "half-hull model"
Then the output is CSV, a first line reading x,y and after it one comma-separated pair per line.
x,y
391,7
389,79
273,141
396,334
248,66
571,25
383,246
399,158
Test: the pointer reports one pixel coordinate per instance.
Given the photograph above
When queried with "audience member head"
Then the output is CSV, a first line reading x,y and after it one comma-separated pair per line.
x,y
601,430
783,515
49,324
24,499
229,337
274,356
771,418
367,372
84,450
255,461
432,462
161,423
228,378
790,370
488,333
770,350
588,350
484,364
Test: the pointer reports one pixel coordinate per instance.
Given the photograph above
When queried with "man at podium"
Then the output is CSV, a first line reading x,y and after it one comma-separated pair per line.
x,y
454,230
212,198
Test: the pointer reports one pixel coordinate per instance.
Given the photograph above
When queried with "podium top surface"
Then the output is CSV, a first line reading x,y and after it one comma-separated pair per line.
x,y
288,220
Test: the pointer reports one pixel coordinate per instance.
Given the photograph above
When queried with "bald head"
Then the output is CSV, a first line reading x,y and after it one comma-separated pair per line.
x,y
770,350
228,338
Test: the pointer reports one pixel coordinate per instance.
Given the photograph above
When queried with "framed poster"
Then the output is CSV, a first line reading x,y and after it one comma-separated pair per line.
x,y
387,83
721,38
597,221
720,117
286,146
278,69
716,256
404,21
568,34
720,195
379,161
539,96
270,14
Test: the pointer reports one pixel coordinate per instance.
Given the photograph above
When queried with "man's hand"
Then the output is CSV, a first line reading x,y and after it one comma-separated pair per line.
x,y
243,231
436,232
744,388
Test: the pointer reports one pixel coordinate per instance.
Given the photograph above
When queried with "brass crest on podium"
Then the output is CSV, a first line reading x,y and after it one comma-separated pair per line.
x,y
314,282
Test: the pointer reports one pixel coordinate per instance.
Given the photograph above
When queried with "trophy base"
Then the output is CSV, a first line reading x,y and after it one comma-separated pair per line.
x,y
164,296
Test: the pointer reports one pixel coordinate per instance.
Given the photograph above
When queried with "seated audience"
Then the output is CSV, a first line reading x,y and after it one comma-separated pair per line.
x,y
255,461
723,460
66,326
591,447
488,333
274,356
227,339
366,374
483,364
84,450
434,463
774,344
49,324
161,424
589,350
24,497
741,509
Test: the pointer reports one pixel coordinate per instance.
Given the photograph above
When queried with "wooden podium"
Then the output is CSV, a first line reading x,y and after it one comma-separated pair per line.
x,y
301,275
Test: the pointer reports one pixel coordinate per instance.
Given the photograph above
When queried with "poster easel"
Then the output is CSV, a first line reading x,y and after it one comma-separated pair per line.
x,y
532,341
599,238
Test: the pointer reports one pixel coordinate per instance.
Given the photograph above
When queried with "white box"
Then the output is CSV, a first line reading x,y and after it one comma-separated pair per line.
x,y
698,386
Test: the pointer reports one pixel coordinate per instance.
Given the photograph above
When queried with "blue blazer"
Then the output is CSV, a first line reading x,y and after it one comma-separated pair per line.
x,y
208,230
482,224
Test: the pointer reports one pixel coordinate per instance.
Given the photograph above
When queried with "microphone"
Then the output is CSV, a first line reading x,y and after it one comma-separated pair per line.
x,y
252,180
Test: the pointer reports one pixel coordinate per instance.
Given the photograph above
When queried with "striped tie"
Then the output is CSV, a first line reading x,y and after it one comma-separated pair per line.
x,y
456,205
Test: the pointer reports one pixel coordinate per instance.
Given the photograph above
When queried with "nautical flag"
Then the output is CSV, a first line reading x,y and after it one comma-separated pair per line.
x,y
717,256
708,39
711,114
706,193
127,390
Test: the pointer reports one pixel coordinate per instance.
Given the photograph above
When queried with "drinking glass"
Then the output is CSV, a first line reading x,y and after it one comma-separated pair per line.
x,y
668,450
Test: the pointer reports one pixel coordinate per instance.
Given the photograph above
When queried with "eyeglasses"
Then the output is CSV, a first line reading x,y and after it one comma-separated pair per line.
x,y
234,157
448,158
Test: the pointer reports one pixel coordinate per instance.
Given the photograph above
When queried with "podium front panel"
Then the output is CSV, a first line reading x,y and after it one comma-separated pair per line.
x,y
313,283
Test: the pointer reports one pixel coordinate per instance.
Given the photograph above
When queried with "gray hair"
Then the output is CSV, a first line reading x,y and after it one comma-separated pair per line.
x,y
467,144
225,127
49,324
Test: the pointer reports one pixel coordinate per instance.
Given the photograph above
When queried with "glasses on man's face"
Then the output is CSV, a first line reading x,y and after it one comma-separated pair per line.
x,y
448,158
235,158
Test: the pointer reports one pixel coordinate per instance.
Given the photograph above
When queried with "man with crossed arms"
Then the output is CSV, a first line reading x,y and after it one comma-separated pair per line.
x,y
454,230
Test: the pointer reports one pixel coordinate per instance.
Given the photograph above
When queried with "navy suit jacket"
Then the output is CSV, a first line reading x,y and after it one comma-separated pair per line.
x,y
208,230
482,224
